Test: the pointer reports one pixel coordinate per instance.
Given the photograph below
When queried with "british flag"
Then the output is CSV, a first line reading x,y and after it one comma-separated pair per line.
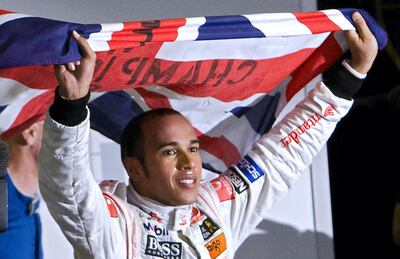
x,y
230,75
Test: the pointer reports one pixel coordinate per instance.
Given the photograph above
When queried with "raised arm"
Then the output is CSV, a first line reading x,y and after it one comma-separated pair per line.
x,y
344,80
276,161
73,196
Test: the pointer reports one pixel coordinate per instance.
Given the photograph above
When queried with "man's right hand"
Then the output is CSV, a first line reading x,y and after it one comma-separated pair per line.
x,y
74,78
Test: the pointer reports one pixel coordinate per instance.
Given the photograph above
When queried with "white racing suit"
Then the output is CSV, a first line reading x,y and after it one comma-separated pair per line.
x,y
101,225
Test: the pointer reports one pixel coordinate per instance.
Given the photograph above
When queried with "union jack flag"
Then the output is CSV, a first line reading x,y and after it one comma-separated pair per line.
x,y
229,75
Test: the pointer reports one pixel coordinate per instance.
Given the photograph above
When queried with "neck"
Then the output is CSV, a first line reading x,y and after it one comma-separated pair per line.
x,y
23,170
174,217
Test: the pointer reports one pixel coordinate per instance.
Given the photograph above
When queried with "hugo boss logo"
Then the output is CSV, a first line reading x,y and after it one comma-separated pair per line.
x,y
166,250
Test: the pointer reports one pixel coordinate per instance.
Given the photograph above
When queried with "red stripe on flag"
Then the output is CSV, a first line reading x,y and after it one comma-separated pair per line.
x,y
5,12
154,100
32,112
123,68
226,80
146,33
323,57
219,147
230,80
317,22
37,77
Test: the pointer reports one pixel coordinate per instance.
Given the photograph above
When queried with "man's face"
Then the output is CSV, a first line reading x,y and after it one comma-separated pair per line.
x,y
172,162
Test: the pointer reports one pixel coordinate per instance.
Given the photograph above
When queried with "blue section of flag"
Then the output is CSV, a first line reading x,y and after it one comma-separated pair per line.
x,y
111,112
262,115
380,35
240,111
32,40
228,27
250,169
2,108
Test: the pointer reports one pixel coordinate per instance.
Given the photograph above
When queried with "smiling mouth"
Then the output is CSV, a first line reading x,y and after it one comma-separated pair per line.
x,y
187,182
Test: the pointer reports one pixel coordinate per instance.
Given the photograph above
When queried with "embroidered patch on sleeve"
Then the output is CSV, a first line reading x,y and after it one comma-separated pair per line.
x,y
239,184
223,188
250,169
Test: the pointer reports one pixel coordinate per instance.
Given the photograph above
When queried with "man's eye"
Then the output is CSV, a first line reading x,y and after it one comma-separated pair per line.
x,y
169,152
193,149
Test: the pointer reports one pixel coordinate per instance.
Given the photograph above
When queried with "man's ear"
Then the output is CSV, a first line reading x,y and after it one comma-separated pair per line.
x,y
32,135
134,168
28,136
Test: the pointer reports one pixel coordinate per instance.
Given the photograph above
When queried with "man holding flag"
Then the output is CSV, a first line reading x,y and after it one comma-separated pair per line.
x,y
166,212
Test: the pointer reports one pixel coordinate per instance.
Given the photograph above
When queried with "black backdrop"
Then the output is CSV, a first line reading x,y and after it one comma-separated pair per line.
x,y
364,151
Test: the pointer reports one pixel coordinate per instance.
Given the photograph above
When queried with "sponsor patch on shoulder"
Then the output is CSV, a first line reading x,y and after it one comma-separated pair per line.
x,y
239,184
223,188
250,169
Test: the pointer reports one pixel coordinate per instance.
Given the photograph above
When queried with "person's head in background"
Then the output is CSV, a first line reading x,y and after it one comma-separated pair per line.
x,y
24,150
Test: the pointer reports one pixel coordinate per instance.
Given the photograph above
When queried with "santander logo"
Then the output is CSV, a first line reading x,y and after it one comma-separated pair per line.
x,y
223,188
329,111
295,134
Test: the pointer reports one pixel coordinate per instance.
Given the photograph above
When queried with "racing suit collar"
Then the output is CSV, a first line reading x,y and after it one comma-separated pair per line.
x,y
173,217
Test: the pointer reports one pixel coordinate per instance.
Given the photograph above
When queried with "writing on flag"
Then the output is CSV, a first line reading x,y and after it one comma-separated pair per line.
x,y
221,72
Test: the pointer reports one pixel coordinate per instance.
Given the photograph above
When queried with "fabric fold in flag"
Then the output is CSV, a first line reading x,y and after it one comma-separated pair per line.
x,y
230,75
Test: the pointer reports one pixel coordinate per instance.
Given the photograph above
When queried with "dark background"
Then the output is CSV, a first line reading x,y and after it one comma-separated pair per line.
x,y
364,157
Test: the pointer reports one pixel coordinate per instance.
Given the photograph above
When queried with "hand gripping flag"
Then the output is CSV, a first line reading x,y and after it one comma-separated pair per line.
x,y
227,74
